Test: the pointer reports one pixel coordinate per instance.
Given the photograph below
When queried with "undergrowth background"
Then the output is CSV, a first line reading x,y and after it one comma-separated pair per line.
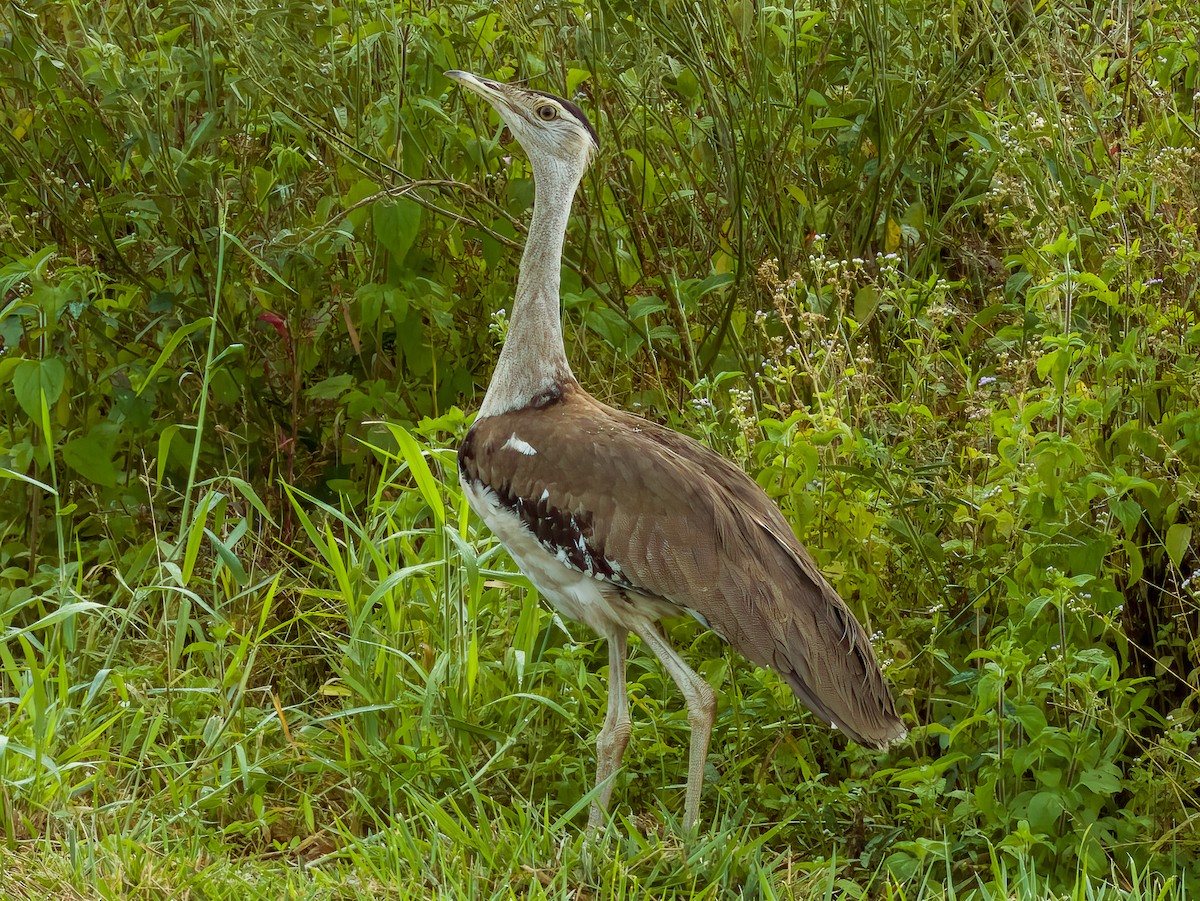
x,y
927,271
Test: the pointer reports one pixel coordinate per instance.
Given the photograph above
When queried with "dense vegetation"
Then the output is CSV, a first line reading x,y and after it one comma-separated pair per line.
x,y
928,272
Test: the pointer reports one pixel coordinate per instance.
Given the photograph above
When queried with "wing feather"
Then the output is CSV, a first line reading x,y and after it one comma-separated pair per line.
x,y
674,520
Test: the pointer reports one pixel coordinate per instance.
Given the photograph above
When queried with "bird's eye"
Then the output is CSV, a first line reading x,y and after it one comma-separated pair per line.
x,y
547,113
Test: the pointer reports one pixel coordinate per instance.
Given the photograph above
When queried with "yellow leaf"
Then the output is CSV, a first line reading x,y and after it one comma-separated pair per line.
x,y
891,240
335,689
24,120
723,236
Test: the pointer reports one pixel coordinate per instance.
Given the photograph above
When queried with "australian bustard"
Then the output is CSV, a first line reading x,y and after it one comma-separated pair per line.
x,y
621,522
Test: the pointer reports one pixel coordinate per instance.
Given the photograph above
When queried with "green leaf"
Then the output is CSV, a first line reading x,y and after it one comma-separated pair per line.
x,y
228,557
1043,810
808,459
1101,207
1179,539
359,191
331,388
10,330
91,459
247,491
1137,564
865,302
710,284
1032,719
979,139
687,84
1045,362
411,451
55,616
396,226
830,122
1104,779
644,306
798,195
164,449
180,333
169,38
6,473
35,378
195,532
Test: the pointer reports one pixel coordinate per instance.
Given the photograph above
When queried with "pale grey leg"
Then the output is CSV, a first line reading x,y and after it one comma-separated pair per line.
x,y
702,710
614,737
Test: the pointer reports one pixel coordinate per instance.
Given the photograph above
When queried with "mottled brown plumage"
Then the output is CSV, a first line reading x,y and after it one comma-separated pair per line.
x,y
687,527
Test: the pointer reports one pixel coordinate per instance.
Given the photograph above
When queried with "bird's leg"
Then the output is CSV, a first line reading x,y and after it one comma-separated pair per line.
x,y
702,710
614,736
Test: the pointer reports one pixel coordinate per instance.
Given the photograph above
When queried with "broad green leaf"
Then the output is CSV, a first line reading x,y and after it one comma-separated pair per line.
x,y
1104,779
644,306
982,141
359,191
687,84
1046,362
1032,719
865,302
914,216
91,459
169,38
1179,539
11,330
1137,564
1044,809
396,226
576,77
331,388
35,378
798,195
711,283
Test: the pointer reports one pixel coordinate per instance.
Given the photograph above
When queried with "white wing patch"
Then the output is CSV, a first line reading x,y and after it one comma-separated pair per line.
x,y
520,445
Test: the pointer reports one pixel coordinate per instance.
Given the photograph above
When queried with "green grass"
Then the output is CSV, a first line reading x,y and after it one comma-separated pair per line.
x,y
424,763
522,855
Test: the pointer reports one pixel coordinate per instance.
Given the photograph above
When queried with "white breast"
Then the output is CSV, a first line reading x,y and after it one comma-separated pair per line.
x,y
578,595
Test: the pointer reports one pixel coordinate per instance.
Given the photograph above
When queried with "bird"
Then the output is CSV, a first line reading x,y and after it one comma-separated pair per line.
x,y
620,522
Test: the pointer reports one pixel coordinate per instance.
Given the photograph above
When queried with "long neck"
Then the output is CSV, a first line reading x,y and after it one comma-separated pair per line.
x,y
533,358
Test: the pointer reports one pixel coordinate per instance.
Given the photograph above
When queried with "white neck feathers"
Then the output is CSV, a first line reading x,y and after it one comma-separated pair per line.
x,y
533,359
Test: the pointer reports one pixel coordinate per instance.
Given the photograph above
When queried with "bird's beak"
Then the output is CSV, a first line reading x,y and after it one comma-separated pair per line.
x,y
488,90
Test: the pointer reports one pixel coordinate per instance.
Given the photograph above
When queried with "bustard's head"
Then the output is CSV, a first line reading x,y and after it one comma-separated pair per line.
x,y
548,127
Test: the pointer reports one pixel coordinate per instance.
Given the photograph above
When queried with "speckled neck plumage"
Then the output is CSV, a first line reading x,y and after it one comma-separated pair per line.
x,y
534,359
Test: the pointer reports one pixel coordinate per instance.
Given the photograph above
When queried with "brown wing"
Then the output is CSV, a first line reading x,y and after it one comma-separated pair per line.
x,y
664,515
